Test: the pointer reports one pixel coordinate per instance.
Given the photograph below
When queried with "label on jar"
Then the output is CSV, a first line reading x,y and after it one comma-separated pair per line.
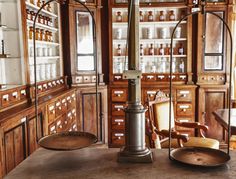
x,y
172,17
162,51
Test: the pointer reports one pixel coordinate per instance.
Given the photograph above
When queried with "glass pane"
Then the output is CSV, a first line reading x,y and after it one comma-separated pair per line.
x,y
214,33
85,63
84,33
213,63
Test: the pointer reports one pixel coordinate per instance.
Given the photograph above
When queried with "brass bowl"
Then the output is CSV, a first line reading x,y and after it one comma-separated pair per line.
x,y
199,156
67,140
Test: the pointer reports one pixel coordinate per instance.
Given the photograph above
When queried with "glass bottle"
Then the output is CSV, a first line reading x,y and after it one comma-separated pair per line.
x,y
161,50
141,16
171,16
43,2
141,50
118,50
50,35
39,3
28,15
118,17
42,35
181,49
151,50
173,65
163,68
32,15
181,66
32,1
150,16
46,36
153,67
167,49
37,34
161,17
39,18
142,66
49,8
31,31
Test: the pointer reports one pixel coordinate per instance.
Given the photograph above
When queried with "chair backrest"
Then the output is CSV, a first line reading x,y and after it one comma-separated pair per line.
x,y
159,111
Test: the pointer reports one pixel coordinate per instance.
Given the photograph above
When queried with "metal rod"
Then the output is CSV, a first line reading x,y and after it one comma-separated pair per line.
x,y
35,60
230,78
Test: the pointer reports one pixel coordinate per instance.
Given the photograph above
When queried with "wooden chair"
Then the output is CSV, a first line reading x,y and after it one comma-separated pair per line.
x,y
158,127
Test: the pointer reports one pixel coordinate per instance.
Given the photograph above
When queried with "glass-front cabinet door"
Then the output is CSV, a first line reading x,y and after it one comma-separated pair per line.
x,y
85,44
214,42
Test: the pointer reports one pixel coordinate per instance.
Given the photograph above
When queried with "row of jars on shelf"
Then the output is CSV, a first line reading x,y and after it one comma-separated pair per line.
x,y
161,65
41,51
151,50
148,33
45,71
41,19
41,34
40,3
150,17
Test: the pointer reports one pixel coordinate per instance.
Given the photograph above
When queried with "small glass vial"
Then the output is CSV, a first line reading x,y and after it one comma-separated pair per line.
x,y
118,17
142,66
37,34
39,3
118,50
46,37
50,35
150,16
151,50
31,31
49,8
141,50
153,68
163,67
181,66
161,50
180,49
161,17
141,18
171,16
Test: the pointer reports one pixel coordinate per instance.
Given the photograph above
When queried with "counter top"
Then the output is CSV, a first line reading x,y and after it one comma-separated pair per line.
x,y
102,163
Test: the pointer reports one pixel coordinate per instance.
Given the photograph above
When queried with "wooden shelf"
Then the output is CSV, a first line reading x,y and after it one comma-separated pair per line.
x,y
43,11
44,42
154,56
42,26
156,23
122,41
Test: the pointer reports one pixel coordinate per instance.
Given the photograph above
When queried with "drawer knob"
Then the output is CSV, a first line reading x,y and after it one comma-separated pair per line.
x,y
184,110
118,123
184,95
119,137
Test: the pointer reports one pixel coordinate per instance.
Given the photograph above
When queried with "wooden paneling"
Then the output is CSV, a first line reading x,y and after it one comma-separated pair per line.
x,y
211,99
14,147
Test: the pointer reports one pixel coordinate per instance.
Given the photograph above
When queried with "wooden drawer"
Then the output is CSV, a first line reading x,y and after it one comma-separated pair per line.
x,y
51,112
14,96
52,128
119,95
184,95
58,108
23,94
184,109
63,105
150,78
118,138
117,109
60,125
118,123
5,99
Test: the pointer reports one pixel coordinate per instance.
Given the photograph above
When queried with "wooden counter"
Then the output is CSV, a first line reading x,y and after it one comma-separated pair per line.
x,y
102,163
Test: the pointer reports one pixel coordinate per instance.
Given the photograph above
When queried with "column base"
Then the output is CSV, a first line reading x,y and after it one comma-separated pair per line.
x,y
135,157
